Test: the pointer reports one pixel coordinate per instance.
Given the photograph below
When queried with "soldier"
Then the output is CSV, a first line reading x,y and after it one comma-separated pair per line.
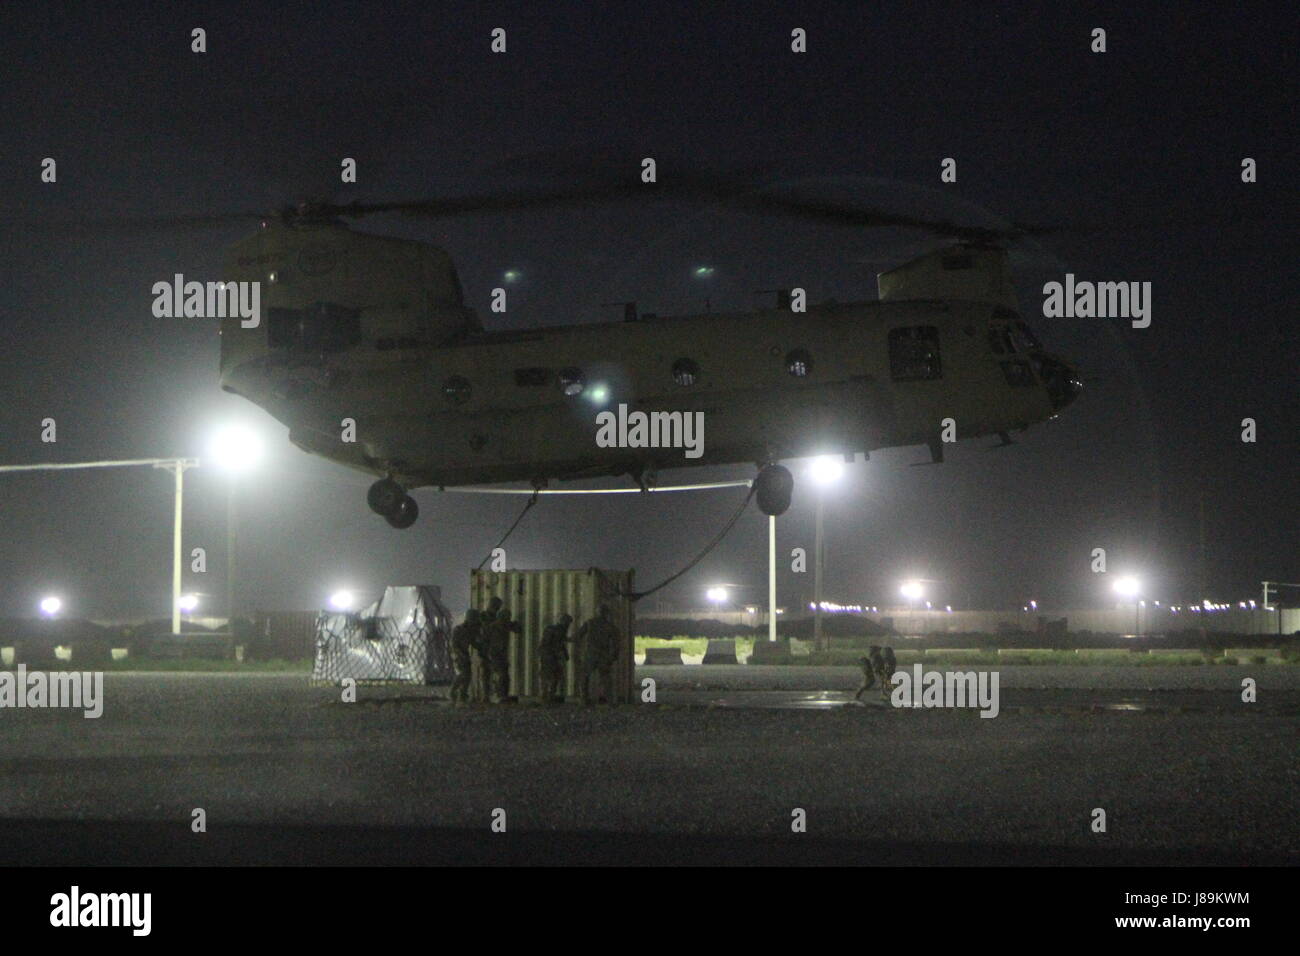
x,y
870,666
553,655
463,638
888,664
498,647
600,643
480,665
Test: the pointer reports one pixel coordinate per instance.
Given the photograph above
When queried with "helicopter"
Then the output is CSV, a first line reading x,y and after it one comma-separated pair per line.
x,y
367,351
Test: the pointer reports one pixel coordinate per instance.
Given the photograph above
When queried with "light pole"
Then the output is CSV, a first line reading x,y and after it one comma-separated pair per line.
x,y
824,471
236,450
175,465
771,577
1130,587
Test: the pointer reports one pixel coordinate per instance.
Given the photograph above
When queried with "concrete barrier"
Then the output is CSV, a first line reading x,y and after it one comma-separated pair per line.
x,y
1246,655
663,655
771,652
721,652
203,646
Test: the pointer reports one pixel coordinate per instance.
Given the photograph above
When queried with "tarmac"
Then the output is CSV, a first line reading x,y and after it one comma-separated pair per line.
x,y
717,770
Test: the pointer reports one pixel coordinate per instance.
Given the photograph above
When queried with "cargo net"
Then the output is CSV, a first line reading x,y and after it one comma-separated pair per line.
x,y
376,650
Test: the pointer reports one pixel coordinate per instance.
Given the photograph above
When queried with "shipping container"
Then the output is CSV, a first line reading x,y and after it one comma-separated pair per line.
x,y
536,599
282,635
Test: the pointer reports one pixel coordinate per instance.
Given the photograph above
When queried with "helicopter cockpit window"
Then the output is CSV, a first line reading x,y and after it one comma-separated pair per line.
x,y
318,328
1018,373
914,353
571,381
1025,337
1000,341
456,390
799,363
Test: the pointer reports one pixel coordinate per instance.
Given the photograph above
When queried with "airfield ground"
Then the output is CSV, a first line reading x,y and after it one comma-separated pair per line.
x,y
285,772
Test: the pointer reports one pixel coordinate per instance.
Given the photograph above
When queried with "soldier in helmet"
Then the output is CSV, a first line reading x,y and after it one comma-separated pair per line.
x,y
554,655
463,638
480,665
498,648
600,642
871,666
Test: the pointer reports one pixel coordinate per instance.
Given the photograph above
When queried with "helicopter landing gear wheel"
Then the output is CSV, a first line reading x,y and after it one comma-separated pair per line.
x,y
384,496
404,514
773,488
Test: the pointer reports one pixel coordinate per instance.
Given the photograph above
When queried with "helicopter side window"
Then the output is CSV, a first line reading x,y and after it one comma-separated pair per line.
x,y
318,328
799,363
914,353
456,390
686,372
571,381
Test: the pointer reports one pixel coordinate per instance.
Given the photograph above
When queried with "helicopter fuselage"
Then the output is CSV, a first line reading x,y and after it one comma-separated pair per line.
x,y
385,370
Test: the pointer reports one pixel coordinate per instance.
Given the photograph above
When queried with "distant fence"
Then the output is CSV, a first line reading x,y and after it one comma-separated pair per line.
x,y
1010,627
282,635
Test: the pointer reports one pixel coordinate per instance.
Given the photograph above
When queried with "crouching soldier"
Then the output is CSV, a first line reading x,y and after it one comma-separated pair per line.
x,y
463,638
553,656
870,666
888,664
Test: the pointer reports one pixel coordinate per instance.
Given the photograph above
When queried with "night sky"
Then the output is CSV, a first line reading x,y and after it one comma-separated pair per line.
x,y
1139,149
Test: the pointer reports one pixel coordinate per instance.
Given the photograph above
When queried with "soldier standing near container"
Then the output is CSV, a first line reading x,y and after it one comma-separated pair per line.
x,y
599,639
553,655
498,644
463,638
480,687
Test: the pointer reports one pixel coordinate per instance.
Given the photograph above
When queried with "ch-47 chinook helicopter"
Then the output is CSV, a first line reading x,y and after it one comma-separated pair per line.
x,y
376,330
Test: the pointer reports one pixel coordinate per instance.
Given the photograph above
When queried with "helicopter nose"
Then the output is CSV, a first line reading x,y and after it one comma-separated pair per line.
x,y
1061,380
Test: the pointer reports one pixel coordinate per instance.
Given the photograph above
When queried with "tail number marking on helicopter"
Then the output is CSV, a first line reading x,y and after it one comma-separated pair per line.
x,y
1098,300
651,430
209,300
